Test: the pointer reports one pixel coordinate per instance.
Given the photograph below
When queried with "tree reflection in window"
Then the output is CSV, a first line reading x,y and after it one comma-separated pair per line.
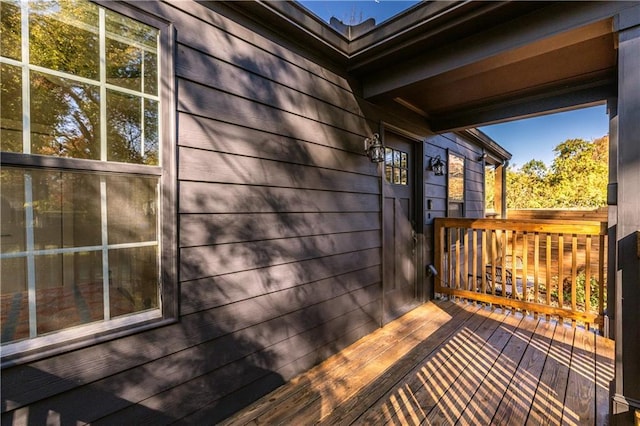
x,y
396,166
455,185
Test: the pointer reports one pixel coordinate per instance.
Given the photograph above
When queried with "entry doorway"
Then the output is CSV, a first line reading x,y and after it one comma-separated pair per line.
x,y
400,292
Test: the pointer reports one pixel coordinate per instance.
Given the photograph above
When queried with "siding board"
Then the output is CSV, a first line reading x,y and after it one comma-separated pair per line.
x,y
221,290
204,261
202,197
208,166
244,81
209,229
211,103
203,133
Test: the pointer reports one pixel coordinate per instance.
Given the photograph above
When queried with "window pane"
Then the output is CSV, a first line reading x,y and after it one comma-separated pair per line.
x,y
132,209
12,197
132,53
396,158
133,280
69,290
65,117
388,156
10,108
14,305
150,73
388,171
151,137
66,209
396,176
124,128
403,160
456,178
124,65
64,36
10,29
403,177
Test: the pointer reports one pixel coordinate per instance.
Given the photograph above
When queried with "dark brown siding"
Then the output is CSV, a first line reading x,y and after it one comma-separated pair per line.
x,y
436,186
279,230
279,238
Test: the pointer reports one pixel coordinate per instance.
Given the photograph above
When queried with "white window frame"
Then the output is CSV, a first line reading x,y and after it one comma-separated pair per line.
x,y
78,336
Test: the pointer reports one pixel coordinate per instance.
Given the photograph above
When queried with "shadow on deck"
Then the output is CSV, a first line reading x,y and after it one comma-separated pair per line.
x,y
447,363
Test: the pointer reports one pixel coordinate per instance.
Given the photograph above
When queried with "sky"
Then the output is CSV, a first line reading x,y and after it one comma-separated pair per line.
x,y
535,138
359,10
529,139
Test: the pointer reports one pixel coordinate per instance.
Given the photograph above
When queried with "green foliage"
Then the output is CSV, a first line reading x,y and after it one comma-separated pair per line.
x,y
578,177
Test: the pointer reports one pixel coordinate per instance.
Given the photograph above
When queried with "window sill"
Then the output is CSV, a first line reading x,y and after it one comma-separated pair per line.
x,y
79,337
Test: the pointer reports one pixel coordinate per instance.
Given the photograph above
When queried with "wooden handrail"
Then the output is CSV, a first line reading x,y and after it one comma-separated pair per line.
x,y
546,267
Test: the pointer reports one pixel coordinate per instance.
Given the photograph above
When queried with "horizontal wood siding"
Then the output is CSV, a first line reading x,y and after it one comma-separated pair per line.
x,y
436,186
279,229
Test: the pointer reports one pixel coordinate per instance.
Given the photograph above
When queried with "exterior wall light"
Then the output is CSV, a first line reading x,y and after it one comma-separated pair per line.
x,y
374,149
437,165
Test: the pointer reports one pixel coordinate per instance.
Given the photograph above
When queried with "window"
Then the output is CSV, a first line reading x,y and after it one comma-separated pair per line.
x,y
455,186
86,177
396,166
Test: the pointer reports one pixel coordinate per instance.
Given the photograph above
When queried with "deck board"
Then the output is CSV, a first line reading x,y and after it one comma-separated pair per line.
x,y
452,363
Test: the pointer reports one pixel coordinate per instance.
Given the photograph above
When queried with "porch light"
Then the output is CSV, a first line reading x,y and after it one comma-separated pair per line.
x,y
437,165
374,149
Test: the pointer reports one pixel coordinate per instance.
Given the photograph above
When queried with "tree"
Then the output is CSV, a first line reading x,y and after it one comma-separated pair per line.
x,y
578,177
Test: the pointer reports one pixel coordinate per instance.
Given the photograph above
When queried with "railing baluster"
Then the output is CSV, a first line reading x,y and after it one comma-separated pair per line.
x,y
587,275
561,272
474,258
484,262
536,267
601,278
525,251
514,265
457,263
494,258
548,267
574,274
466,259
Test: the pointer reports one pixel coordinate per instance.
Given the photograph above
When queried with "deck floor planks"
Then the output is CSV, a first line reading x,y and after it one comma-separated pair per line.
x,y
410,398
497,381
547,404
350,410
579,403
516,403
477,367
303,389
381,367
480,354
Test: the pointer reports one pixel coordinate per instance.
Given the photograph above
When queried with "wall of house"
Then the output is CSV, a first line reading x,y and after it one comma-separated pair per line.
x,y
435,187
279,233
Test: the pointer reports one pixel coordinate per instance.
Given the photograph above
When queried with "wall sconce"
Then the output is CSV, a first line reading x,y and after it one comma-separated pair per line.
x,y
482,157
374,149
437,165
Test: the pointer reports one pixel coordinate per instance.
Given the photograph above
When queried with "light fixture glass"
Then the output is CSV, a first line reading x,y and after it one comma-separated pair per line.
x,y
437,165
374,148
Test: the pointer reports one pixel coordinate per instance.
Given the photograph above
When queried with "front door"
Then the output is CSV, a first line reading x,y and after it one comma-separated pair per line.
x,y
399,239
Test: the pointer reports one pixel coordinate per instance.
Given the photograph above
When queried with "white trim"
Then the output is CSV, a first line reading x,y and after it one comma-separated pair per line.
x,y
84,249
80,331
105,248
26,83
31,262
103,89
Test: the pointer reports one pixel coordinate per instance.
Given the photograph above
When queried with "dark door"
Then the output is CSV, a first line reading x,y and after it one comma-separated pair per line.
x,y
399,251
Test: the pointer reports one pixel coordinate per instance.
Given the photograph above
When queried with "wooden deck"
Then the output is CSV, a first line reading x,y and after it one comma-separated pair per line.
x,y
452,363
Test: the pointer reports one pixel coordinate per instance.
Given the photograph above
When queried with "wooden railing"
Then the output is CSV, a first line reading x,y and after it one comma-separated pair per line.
x,y
548,267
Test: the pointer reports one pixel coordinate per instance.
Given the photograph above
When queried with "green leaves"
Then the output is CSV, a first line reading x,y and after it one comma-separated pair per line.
x,y
578,177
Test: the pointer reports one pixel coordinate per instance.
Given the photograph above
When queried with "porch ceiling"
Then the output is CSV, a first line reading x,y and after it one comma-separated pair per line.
x,y
572,68
553,57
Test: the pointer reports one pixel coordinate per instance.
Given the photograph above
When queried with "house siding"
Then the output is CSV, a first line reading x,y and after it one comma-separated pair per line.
x,y
279,237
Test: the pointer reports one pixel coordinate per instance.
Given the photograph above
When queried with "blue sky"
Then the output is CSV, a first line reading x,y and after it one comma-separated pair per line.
x,y
528,139
360,10
536,137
